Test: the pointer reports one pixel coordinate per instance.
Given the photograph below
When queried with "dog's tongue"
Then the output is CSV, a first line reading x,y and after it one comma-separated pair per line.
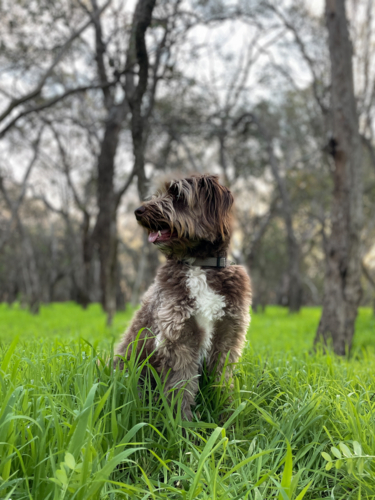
x,y
162,235
152,237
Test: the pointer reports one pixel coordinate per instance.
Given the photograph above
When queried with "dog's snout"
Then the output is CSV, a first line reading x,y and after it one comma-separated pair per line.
x,y
139,211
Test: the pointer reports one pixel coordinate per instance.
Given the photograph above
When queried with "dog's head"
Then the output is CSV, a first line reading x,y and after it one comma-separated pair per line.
x,y
187,214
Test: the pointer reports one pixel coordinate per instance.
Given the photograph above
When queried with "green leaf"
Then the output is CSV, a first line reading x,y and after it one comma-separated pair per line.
x,y
295,480
70,461
160,460
258,496
338,464
246,461
79,434
329,465
101,404
9,495
267,417
357,448
350,466
147,481
360,465
347,453
114,426
103,475
61,476
55,481
302,494
288,471
130,434
238,410
207,450
336,452
8,355
326,456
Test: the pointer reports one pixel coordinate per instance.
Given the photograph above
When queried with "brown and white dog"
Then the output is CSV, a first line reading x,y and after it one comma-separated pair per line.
x,y
198,306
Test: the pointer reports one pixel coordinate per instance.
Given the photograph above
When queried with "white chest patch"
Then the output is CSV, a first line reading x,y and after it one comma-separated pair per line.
x,y
209,306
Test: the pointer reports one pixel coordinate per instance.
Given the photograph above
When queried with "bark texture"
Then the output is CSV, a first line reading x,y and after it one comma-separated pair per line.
x,y
342,288
138,54
106,226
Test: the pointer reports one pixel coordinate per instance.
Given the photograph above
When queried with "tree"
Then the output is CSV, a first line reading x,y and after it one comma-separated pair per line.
x,y
133,99
183,94
342,288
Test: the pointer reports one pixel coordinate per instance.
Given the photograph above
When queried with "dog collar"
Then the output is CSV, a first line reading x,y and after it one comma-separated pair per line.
x,y
218,262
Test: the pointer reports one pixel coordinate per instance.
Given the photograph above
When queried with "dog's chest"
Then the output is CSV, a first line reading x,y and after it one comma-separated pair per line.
x,y
209,306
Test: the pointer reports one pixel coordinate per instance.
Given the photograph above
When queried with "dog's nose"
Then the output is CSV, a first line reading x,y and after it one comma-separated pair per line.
x,y
139,211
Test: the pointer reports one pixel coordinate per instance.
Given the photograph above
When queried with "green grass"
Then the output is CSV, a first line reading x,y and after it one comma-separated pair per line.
x,y
71,428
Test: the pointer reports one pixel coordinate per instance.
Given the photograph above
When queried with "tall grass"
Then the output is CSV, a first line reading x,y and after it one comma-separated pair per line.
x,y
294,425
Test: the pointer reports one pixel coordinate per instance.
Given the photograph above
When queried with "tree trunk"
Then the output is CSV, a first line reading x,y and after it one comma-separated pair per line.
x,y
342,287
108,200
87,253
295,288
138,54
30,270
106,225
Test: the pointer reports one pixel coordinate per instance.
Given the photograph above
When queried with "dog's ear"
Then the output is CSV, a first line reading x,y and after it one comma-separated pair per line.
x,y
218,201
224,212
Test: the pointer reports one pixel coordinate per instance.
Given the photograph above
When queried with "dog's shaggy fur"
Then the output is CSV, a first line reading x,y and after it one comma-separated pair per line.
x,y
194,312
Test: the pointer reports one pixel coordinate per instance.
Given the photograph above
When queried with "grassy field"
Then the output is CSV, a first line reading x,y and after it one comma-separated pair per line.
x,y
296,425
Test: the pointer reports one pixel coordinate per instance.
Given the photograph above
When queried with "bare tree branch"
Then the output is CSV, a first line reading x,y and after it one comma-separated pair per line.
x,y
48,103
100,50
14,207
66,167
50,207
257,235
124,188
310,62
33,93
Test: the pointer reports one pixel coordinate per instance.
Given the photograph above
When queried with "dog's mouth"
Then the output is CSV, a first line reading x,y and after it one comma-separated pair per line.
x,y
161,235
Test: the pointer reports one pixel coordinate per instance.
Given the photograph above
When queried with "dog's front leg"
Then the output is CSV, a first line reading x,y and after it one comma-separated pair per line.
x,y
185,378
227,344
178,358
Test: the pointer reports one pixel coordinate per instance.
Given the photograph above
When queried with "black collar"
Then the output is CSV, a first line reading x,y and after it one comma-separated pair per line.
x,y
218,262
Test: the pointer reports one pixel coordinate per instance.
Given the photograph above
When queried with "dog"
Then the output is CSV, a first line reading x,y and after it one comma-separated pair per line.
x,y
198,308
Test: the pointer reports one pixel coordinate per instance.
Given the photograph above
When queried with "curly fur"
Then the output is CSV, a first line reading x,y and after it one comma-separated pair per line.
x,y
194,313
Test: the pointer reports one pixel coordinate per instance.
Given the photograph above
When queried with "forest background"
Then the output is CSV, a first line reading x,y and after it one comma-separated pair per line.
x,y
100,100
